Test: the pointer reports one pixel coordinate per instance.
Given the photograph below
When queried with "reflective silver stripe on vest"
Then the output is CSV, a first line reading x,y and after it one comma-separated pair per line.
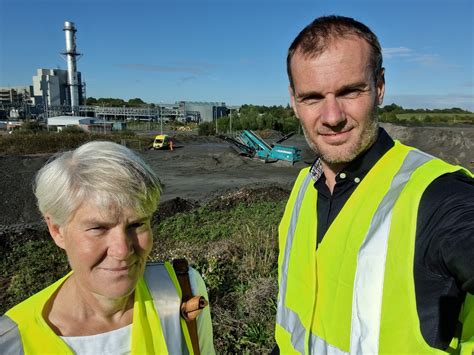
x,y
167,303
10,339
369,278
286,318
320,346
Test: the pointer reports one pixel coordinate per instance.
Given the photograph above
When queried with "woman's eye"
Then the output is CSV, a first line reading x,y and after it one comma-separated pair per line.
x,y
96,229
137,225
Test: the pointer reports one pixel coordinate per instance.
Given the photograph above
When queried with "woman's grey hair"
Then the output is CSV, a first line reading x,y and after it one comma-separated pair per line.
x,y
105,173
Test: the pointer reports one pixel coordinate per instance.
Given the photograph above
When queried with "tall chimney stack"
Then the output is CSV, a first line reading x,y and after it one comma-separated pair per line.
x,y
71,54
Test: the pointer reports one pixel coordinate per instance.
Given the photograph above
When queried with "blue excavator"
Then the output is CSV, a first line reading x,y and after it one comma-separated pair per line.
x,y
251,145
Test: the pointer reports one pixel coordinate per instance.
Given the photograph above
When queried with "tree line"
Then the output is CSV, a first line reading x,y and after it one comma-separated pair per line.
x,y
397,114
114,102
283,119
254,117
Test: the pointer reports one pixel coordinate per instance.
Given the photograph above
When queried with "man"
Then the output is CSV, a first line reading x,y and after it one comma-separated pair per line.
x,y
377,239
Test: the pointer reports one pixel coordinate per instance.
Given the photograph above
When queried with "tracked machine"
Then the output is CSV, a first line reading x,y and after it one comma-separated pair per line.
x,y
251,145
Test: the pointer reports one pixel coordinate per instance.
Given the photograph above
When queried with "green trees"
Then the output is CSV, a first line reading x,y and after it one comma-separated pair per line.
x,y
136,102
113,102
259,118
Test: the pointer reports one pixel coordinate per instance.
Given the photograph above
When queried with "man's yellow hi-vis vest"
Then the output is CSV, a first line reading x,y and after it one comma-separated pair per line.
x,y
157,326
355,294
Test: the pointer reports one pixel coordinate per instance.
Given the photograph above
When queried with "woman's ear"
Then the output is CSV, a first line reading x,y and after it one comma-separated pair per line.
x,y
55,230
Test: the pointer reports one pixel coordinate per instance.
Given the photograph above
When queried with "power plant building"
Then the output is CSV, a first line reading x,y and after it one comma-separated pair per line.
x,y
50,87
57,87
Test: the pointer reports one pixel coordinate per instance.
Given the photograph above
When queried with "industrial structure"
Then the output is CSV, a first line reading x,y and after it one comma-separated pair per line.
x,y
55,88
72,75
182,111
51,88
16,95
59,92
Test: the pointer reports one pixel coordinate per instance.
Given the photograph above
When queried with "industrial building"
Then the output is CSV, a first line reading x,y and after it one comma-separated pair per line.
x,y
51,88
16,95
203,111
91,125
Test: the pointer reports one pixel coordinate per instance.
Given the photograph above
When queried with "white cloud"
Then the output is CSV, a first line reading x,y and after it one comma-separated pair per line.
x,y
396,52
411,55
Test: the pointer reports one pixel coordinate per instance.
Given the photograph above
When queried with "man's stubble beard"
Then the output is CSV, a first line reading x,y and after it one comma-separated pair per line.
x,y
368,137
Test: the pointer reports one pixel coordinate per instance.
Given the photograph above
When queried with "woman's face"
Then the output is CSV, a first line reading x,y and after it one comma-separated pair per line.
x,y
107,249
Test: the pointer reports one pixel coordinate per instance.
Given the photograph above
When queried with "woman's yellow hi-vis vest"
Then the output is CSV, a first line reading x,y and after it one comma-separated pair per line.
x,y
355,294
157,326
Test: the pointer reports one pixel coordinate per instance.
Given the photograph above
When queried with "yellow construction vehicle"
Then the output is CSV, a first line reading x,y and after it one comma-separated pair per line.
x,y
162,141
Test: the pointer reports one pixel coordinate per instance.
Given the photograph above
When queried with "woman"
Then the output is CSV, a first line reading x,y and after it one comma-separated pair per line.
x,y
98,201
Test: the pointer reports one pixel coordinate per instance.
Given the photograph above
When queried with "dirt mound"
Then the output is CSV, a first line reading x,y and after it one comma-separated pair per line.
x,y
453,144
220,201
169,208
18,203
187,138
247,195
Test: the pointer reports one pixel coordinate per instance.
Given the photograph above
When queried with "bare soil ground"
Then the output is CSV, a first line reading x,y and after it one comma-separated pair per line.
x,y
201,169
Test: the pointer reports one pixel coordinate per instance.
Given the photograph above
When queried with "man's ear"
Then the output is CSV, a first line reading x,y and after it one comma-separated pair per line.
x,y
56,231
292,101
381,87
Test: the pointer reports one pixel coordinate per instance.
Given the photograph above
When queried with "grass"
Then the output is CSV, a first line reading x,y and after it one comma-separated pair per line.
x,y
234,248
52,142
209,225
236,252
438,117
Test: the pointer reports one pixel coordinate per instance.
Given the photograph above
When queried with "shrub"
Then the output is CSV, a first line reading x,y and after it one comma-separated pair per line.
x,y
72,130
207,129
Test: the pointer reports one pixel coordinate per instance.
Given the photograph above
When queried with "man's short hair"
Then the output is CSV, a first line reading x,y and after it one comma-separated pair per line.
x,y
105,173
315,38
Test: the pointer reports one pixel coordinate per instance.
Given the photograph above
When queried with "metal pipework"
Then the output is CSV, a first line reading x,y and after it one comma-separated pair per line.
x,y
71,54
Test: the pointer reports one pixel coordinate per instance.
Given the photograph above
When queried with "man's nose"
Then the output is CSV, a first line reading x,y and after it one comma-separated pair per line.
x,y
332,113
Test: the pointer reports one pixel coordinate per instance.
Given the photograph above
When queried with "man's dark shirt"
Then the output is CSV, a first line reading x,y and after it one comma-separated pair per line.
x,y
444,245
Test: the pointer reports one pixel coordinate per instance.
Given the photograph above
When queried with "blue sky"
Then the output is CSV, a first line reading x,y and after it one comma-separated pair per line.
x,y
234,50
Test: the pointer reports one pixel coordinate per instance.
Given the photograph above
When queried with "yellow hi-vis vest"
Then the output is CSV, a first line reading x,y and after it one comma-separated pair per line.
x,y
157,327
355,294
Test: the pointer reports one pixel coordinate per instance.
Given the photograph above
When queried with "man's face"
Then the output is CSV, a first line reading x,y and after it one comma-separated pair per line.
x,y
335,98
107,250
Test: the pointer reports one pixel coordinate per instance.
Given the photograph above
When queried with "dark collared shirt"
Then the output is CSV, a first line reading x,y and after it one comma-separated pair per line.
x,y
444,246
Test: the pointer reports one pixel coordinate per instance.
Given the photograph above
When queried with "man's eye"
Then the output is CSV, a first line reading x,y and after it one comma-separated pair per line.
x,y
353,93
309,100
